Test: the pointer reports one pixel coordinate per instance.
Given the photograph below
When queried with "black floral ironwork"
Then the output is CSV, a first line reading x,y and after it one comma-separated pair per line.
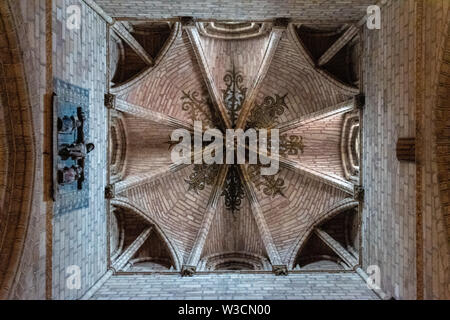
x,y
203,175
291,146
199,107
265,115
234,95
270,185
233,190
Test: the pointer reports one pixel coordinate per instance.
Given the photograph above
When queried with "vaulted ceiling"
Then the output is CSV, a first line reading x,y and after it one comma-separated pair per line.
x,y
166,75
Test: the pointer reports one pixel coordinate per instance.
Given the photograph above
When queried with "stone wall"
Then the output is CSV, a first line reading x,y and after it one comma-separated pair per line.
x,y
391,88
236,286
389,207
79,237
334,10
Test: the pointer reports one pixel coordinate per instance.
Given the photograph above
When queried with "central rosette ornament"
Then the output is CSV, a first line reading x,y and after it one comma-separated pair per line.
x,y
211,144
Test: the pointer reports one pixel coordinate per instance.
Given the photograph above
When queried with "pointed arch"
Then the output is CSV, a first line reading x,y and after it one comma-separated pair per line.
x,y
132,82
125,204
331,212
327,77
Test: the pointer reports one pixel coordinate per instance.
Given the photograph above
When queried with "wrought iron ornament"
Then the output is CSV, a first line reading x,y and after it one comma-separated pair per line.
x,y
264,116
291,146
199,107
234,95
269,185
203,175
233,190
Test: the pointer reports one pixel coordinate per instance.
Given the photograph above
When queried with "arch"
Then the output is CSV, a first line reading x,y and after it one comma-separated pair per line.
x,y
317,262
330,79
331,212
125,204
158,264
349,146
117,224
231,260
232,31
118,146
132,82
21,160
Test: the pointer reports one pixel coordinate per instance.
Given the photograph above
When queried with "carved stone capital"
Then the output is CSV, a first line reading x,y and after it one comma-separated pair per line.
x,y
110,191
188,271
359,101
358,193
110,101
281,23
280,270
187,22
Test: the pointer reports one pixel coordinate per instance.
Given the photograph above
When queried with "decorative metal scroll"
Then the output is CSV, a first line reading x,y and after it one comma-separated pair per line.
x,y
234,95
233,190
266,115
270,185
291,146
199,107
203,175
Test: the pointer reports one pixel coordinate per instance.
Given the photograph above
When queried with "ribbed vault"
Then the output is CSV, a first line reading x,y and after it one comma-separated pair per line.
x,y
191,80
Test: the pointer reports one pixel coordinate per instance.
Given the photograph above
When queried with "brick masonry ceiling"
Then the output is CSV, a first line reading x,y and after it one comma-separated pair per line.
x,y
166,75
345,88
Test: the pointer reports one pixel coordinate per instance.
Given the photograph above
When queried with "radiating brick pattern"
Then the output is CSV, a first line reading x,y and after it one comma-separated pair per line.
x,y
245,55
389,218
389,207
234,232
290,217
162,89
147,147
322,145
79,237
290,74
236,286
334,10
177,211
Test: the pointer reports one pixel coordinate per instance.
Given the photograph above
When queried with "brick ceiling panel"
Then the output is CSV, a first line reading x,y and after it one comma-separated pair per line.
x,y
322,145
292,215
245,55
147,148
162,89
291,74
177,212
234,232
